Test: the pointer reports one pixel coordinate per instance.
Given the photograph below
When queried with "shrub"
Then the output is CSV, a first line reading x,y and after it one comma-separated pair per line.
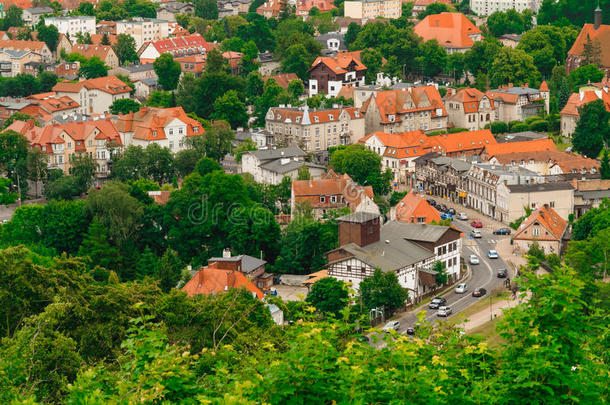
x,y
456,130
529,120
539,126
520,127
498,127
513,123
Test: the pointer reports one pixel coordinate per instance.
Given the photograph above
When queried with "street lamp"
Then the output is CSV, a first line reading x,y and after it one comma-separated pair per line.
x,y
491,318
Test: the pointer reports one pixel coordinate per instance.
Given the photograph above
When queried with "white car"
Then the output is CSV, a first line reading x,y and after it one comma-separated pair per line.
x,y
444,311
492,254
391,325
476,233
474,259
462,216
461,288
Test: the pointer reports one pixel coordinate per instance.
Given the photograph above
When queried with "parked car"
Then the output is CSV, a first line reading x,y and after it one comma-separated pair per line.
x,y
461,288
502,231
476,233
502,273
431,202
437,302
492,254
479,292
451,211
411,330
442,207
476,224
447,215
444,311
462,216
391,325
474,259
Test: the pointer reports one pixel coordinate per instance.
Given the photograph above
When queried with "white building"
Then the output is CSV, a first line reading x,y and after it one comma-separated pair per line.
x,y
143,29
95,96
487,7
71,25
271,165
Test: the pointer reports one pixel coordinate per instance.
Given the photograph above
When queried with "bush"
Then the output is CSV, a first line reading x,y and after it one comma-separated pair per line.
x,y
396,197
520,127
434,133
516,223
498,127
513,123
456,130
539,126
532,119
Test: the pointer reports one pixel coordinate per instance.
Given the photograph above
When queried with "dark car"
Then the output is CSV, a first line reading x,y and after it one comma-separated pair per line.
x,y
479,292
502,273
443,207
476,224
437,302
451,211
411,330
502,231
431,202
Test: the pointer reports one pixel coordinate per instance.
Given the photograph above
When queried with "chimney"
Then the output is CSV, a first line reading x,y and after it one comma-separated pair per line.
x,y
597,17
226,253
360,228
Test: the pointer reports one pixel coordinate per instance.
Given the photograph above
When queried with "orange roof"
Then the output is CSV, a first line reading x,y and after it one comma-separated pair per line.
x,y
329,115
22,45
470,98
304,6
97,39
412,207
413,99
544,86
577,100
346,191
212,280
271,6
282,79
149,123
546,217
424,3
565,160
22,4
88,51
463,141
451,30
41,138
524,146
600,35
107,84
343,62
45,104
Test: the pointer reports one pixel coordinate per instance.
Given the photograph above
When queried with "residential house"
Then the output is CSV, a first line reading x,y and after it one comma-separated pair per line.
x,y
34,68
514,198
12,62
72,25
327,75
96,39
177,30
470,108
268,65
49,139
483,181
251,267
442,176
37,47
143,30
135,72
488,7
232,7
64,44
22,4
366,10
516,103
569,113
271,165
234,59
408,109
46,106
104,52
283,79
304,6
194,64
32,15
180,46
589,193
420,5
167,127
547,162
453,31
95,96
544,227
330,192
332,43
146,86
213,280
67,70
106,27
414,209
533,145
168,10
269,9
10,105
510,40
596,35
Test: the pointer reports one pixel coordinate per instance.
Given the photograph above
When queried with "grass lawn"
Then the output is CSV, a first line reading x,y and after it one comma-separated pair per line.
x,y
488,332
481,305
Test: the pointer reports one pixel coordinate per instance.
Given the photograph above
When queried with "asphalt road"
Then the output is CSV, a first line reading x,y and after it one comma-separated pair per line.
x,y
482,275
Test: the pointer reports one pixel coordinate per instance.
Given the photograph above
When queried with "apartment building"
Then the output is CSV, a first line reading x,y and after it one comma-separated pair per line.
x,y
12,62
37,47
516,103
488,7
544,227
470,108
547,162
442,176
168,10
95,96
136,72
180,46
71,25
269,166
314,130
32,15
512,198
366,10
143,29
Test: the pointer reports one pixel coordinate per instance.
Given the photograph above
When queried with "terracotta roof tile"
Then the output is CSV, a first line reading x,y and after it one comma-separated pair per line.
x,y
342,186
554,226
565,160
451,30
470,99
212,280
412,207
282,79
600,35
342,62
414,99
577,100
149,123
524,146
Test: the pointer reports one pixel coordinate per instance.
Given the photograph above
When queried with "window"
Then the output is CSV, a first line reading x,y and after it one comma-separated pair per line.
x,y
322,199
536,232
171,131
333,199
552,204
180,130
154,133
195,129
171,144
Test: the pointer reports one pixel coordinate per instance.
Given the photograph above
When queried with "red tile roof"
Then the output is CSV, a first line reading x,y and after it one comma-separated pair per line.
x,y
148,124
600,35
553,226
107,84
97,39
183,46
35,46
577,100
412,207
342,62
329,115
283,79
413,99
524,146
544,86
22,4
464,141
304,6
342,186
212,280
469,98
565,160
451,30
88,51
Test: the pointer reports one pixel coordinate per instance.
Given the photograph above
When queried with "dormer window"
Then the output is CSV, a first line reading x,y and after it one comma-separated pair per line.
x,y
391,118
316,119
154,133
195,129
356,114
330,117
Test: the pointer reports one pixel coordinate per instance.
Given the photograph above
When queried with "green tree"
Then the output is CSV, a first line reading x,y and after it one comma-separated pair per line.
x,y
433,58
382,289
513,66
206,165
246,146
83,38
592,130
206,9
441,273
148,264
83,169
604,167
125,48
163,99
92,68
353,30
18,116
13,17
105,40
586,74
130,165
168,71
435,8
303,173
481,56
328,295
186,93
47,81
170,270
363,166
6,197
248,61
296,61
124,106
159,163
254,85
49,35
215,62
97,249
372,59
231,109
185,161
296,89
13,159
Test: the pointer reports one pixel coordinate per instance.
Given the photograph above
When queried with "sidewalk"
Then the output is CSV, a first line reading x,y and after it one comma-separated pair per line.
x,y
482,317
488,223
